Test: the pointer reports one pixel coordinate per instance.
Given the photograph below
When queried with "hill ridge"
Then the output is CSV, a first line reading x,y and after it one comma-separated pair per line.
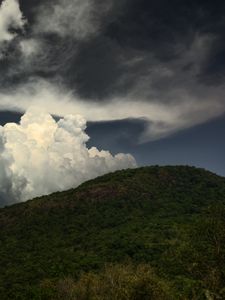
x,y
155,170
169,220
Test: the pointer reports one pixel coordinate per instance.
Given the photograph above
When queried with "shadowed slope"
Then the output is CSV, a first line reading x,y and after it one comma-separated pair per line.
x,y
143,215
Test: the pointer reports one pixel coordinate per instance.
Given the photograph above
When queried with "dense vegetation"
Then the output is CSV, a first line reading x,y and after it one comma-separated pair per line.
x,y
148,233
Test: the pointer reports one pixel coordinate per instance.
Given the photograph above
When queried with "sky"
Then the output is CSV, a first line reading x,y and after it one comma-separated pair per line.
x,y
147,77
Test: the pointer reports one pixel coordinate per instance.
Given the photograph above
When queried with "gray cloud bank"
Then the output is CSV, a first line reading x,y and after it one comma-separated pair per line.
x,y
113,60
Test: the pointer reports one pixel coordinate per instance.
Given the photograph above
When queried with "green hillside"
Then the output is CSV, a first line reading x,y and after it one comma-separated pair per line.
x,y
148,233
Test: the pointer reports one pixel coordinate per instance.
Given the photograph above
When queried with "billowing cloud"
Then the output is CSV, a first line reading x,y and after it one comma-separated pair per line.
x,y
185,109
40,156
11,18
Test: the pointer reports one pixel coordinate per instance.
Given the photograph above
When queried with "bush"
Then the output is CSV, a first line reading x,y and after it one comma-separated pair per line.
x,y
115,282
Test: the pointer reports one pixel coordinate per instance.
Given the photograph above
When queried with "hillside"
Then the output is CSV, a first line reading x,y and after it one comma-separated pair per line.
x,y
158,231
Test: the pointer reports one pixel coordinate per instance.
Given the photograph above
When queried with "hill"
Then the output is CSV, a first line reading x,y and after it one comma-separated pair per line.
x,y
147,233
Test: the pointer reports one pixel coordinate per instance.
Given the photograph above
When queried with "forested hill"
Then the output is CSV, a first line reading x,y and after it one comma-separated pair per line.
x,y
147,233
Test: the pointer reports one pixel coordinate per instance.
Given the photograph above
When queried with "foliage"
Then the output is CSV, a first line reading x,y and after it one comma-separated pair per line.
x,y
114,282
169,218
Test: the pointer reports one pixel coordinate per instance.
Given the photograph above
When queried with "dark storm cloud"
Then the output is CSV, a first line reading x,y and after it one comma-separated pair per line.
x,y
167,54
146,34
151,31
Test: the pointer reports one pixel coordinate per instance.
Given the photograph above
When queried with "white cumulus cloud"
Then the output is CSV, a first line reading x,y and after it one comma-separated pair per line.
x,y
40,156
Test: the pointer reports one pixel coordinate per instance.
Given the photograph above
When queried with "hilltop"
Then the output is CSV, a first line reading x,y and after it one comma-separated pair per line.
x,y
158,231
